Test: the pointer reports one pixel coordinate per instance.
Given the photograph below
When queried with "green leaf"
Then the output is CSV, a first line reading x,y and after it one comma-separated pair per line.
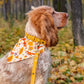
x,y
68,80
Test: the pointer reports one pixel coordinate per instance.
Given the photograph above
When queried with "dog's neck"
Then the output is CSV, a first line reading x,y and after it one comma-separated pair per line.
x,y
30,29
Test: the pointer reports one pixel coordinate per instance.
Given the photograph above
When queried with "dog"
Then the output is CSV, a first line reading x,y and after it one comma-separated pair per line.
x,y
43,23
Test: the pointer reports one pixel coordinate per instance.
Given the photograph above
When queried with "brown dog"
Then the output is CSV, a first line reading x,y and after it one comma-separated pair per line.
x,y
43,23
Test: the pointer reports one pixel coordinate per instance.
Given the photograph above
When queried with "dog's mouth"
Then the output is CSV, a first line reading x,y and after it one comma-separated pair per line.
x,y
59,27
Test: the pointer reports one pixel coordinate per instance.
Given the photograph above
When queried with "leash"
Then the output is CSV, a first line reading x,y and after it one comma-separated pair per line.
x,y
33,75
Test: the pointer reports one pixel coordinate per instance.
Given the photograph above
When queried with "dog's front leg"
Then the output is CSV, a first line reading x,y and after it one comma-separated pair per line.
x,y
39,78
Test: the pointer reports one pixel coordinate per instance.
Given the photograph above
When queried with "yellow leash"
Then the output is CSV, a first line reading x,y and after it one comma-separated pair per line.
x,y
33,38
34,68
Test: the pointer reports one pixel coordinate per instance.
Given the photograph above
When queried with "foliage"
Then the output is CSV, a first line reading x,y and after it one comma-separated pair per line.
x,y
67,65
67,60
10,32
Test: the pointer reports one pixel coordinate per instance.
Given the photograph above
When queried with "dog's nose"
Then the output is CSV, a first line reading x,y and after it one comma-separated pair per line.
x,y
67,15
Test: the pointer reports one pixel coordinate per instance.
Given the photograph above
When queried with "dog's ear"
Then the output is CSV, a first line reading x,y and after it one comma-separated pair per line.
x,y
48,29
44,25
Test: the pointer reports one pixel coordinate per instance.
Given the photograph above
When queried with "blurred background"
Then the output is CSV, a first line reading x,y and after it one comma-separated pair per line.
x,y
17,8
68,55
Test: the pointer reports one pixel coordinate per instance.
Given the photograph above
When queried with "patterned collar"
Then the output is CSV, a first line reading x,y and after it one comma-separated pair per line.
x,y
25,48
33,38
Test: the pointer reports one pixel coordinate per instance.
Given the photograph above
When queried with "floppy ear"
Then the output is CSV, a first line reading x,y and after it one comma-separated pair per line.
x,y
44,26
48,30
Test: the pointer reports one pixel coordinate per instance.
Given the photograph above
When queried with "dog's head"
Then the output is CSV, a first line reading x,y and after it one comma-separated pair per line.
x,y
46,22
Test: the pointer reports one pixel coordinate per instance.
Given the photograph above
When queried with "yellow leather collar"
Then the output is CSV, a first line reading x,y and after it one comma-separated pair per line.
x,y
33,38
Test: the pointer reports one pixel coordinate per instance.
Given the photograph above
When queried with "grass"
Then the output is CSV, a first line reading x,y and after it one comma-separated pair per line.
x,y
67,62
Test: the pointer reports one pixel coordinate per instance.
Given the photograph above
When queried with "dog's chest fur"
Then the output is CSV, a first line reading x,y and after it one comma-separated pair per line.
x,y
20,72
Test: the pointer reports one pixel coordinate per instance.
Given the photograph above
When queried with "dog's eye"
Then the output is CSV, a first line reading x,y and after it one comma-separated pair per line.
x,y
53,12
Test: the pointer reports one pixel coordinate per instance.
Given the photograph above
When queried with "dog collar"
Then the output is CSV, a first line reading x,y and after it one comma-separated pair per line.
x,y
25,48
33,38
